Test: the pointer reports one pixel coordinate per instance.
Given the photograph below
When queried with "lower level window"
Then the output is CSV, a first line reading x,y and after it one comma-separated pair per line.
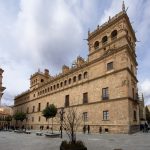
x,y
85,116
106,115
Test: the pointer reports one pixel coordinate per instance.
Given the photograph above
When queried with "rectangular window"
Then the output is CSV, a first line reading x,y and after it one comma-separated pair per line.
x,y
133,92
105,93
39,107
134,113
66,100
85,116
109,66
47,104
32,119
27,110
33,109
39,118
85,98
106,115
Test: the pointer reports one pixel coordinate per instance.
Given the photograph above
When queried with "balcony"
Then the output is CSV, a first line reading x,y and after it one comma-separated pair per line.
x,y
105,97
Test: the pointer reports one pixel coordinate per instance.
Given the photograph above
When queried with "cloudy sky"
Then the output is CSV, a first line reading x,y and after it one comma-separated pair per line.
x,y
49,33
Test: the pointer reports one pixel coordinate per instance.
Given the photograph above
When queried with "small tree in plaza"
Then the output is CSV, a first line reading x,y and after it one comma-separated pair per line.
x,y
71,122
50,112
19,116
8,119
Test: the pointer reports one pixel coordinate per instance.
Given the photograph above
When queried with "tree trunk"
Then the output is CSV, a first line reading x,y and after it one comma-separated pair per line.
x,y
52,125
48,125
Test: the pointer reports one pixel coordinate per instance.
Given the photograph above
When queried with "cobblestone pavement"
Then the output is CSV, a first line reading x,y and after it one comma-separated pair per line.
x,y
19,141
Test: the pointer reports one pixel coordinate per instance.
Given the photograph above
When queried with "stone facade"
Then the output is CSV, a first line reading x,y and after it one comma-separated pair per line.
x,y
1,87
103,88
4,112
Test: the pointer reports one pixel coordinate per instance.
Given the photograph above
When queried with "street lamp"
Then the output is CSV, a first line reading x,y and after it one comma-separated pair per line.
x,y
61,119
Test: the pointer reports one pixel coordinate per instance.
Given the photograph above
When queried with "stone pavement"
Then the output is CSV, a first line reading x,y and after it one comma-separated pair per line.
x,y
19,141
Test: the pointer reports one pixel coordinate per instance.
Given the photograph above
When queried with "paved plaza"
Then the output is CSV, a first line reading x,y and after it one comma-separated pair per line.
x,y
19,141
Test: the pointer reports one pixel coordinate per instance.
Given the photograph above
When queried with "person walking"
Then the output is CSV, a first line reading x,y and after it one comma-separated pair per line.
x,y
84,129
88,129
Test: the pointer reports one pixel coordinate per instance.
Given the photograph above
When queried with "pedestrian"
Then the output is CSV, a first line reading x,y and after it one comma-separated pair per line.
x,y
146,127
88,129
84,129
100,129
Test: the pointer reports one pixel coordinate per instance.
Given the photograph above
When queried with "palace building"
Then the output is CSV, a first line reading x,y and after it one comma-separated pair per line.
x,y
103,88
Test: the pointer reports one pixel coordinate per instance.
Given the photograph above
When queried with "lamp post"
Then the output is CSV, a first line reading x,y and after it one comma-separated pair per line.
x,y
61,120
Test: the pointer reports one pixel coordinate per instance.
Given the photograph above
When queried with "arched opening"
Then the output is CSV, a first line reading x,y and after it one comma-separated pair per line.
x,y
65,82
74,79
96,45
57,85
85,75
79,77
104,40
61,84
114,35
69,80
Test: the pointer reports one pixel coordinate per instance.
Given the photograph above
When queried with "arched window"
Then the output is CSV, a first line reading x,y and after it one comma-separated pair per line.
x,y
51,88
57,85
85,75
104,40
42,80
114,35
96,45
74,79
65,82
61,84
69,80
54,87
79,77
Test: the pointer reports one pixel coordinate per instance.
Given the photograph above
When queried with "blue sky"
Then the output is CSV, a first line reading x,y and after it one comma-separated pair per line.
x,y
47,34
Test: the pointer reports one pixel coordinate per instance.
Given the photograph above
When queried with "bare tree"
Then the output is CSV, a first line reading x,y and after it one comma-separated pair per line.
x,y
71,122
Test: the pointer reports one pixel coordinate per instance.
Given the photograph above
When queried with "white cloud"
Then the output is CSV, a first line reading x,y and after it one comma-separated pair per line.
x,y
39,34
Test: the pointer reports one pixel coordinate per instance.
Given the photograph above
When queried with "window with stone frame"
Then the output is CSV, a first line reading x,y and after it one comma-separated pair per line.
x,y
27,110
85,116
114,35
105,93
33,110
67,101
57,85
106,115
74,79
69,81
79,77
96,45
39,107
32,119
85,75
110,66
104,40
85,98
134,115
65,82
47,104
39,118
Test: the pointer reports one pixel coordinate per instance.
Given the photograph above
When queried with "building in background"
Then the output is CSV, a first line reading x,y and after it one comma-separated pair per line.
x,y
5,111
1,87
103,88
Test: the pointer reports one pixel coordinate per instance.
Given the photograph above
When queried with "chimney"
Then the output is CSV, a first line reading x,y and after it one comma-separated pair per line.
x,y
80,61
46,72
65,69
